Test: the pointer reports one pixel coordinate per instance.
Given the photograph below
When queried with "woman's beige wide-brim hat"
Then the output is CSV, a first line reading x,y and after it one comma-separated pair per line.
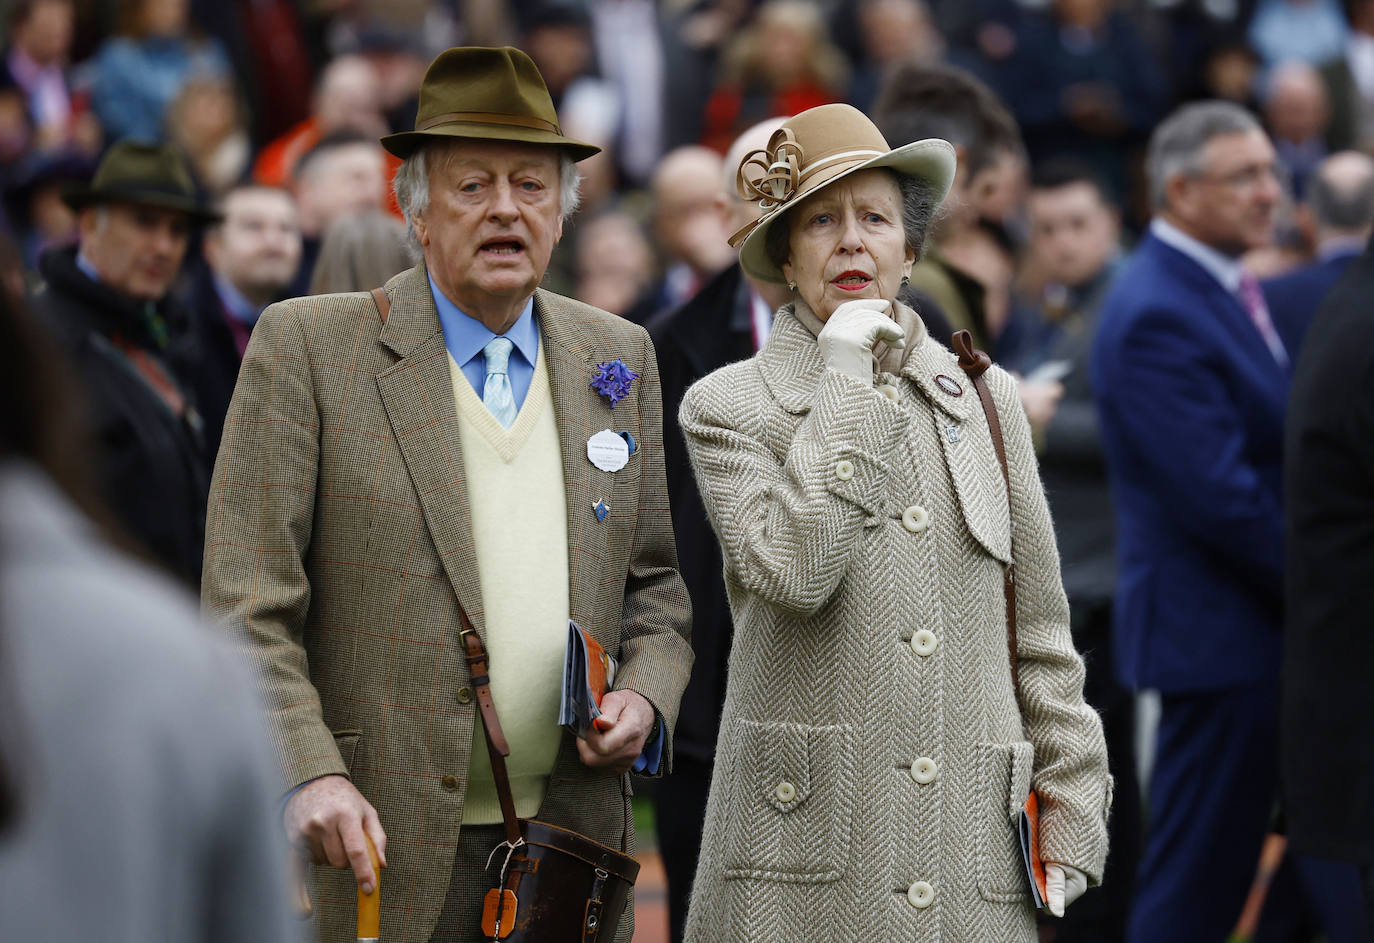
x,y
485,94
814,149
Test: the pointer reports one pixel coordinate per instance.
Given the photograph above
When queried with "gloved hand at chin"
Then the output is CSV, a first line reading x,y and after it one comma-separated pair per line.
x,y
847,340
1064,884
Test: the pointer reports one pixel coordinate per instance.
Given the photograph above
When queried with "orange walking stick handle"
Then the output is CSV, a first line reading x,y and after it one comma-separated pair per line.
x,y
370,905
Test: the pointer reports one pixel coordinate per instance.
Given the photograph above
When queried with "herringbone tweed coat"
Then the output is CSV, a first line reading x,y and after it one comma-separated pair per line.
x,y
872,755
339,541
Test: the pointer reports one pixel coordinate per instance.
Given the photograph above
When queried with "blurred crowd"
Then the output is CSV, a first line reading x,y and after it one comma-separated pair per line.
x,y
276,107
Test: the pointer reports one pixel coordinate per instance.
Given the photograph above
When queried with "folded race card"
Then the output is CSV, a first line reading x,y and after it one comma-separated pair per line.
x,y
588,673
1029,829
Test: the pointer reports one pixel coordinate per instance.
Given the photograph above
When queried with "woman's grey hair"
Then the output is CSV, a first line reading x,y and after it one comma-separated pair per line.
x,y
919,203
1176,146
412,183
359,252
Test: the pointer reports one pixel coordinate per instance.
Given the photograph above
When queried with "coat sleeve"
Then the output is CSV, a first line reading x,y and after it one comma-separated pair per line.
x,y
655,646
1070,772
788,527
259,521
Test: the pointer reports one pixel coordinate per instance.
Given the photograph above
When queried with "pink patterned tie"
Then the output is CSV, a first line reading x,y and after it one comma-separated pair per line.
x,y
1253,300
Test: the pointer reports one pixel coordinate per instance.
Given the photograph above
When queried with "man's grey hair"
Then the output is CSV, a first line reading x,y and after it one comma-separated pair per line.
x,y
1341,192
919,203
411,184
1176,146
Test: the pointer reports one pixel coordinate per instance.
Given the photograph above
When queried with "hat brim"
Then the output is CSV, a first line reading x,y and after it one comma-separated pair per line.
x,y
932,161
81,196
404,143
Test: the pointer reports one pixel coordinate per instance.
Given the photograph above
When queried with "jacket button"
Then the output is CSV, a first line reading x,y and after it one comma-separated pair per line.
x,y
450,783
915,519
923,642
844,469
921,895
465,695
785,792
890,391
924,770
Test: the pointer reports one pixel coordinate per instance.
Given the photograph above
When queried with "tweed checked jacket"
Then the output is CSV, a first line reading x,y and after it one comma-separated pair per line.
x,y
339,541
873,755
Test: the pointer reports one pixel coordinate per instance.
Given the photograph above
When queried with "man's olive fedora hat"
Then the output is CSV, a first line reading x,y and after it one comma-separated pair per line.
x,y
814,149
486,94
144,174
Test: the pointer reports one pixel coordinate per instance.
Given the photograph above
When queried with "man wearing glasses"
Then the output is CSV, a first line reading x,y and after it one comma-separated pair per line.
x,y
1190,378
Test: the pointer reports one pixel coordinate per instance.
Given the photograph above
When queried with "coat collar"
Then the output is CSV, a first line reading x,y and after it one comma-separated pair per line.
x,y
792,366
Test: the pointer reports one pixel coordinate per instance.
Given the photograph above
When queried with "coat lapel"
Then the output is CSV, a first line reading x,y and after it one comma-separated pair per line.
x,y
417,394
569,355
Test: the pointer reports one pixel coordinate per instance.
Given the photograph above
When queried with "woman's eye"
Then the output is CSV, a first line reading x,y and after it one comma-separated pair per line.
x,y
876,218
822,219
468,188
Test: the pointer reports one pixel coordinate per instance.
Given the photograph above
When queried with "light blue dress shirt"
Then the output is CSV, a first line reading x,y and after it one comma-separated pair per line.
x,y
465,336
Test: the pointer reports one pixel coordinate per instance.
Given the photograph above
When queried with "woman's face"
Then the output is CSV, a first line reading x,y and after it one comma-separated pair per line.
x,y
847,242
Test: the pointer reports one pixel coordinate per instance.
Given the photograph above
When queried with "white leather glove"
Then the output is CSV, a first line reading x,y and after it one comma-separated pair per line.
x,y
847,339
1064,884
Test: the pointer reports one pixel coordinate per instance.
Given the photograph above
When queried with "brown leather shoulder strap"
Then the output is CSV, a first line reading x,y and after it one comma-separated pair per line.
x,y
497,747
383,304
975,363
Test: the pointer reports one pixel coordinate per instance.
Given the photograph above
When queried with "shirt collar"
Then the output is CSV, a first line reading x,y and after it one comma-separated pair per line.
x,y
88,268
1339,247
239,307
465,336
1223,268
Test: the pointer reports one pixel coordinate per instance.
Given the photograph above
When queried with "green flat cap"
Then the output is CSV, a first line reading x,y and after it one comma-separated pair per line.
x,y
485,94
144,174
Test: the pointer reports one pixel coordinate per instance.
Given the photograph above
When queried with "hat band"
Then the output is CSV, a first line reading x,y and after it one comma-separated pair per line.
x,y
487,117
843,155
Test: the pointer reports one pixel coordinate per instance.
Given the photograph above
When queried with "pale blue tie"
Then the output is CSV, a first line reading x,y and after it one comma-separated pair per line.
x,y
496,392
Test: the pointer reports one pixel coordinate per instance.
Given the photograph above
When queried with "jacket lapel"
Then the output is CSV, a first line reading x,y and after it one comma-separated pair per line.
x,y
417,394
569,356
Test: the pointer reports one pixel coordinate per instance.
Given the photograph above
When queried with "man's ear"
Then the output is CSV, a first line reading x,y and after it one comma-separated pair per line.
x,y
1178,195
558,231
417,223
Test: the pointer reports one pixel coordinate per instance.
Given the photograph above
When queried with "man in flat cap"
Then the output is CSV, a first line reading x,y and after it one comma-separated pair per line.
x,y
390,463
106,302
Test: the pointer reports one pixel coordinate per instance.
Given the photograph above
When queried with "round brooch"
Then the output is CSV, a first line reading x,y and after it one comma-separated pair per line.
x,y
949,385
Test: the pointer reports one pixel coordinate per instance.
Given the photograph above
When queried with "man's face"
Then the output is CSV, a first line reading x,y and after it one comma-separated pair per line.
x,y
1231,203
46,35
991,193
136,249
492,222
345,179
258,246
1072,232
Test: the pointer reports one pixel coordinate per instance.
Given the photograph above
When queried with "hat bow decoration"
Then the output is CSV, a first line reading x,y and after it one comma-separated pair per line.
x,y
770,177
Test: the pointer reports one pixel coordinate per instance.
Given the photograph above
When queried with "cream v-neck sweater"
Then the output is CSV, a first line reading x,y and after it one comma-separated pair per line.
x,y
520,539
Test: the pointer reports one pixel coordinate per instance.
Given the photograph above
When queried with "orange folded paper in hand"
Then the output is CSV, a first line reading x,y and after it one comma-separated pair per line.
x,y
1028,828
588,673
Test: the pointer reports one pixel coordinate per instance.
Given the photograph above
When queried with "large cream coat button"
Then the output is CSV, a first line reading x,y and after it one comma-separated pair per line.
x,y
844,469
890,391
921,895
923,642
924,770
785,792
915,519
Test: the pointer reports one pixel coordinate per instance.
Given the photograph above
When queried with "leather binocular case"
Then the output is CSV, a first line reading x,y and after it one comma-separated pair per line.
x,y
557,886
553,885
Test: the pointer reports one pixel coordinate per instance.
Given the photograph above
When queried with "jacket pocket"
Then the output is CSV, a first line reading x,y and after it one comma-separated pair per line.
x,y
791,803
1006,770
347,743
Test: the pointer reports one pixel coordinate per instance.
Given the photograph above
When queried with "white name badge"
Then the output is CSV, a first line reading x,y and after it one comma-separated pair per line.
x,y
608,451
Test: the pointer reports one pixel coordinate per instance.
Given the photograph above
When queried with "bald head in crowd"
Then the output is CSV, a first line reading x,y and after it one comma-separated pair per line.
x,y
1341,196
687,222
348,98
1296,106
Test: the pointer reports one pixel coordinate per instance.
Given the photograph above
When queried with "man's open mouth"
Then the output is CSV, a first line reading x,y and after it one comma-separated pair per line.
x,y
503,246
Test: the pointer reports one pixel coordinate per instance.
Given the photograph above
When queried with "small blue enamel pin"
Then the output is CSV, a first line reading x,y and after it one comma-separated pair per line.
x,y
602,509
630,441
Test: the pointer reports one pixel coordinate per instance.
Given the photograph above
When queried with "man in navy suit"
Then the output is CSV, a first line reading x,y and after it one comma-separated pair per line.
x,y
1341,199
1190,377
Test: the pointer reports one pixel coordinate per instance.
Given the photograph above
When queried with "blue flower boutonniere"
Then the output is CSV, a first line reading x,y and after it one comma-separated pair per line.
x,y
613,380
